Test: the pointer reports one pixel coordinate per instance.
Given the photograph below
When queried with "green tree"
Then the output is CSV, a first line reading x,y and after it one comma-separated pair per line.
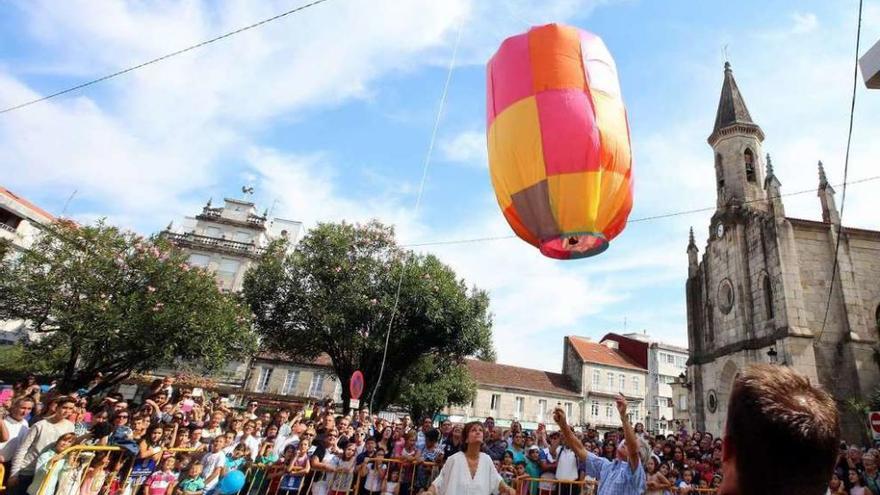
x,y
335,294
434,383
113,303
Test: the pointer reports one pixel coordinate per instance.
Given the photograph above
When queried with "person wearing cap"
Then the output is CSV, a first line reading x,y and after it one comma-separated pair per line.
x,y
533,467
625,475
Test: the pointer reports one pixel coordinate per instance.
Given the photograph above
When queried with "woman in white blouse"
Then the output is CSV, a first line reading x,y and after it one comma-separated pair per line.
x,y
470,472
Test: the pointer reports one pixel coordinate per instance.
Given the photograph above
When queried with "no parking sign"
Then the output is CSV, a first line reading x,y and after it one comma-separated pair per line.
x,y
356,385
874,421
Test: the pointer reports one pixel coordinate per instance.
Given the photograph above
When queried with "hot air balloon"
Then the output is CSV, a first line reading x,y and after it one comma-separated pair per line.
x,y
558,139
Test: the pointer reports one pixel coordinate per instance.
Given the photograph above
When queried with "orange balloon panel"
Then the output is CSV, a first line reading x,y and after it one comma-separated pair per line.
x,y
559,146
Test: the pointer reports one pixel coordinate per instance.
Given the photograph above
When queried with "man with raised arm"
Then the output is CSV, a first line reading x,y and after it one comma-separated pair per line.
x,y
622,476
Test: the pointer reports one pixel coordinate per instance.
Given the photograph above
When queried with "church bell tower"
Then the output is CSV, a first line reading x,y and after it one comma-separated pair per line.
x,y
736,141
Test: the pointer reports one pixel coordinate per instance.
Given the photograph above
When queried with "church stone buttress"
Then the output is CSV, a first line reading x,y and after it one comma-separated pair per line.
x,y
762,281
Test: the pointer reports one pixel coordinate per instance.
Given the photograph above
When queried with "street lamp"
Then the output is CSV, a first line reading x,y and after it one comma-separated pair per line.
x,y
772,354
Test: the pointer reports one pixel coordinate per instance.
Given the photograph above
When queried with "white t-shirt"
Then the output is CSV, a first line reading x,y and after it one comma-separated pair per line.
x,y
210,462
567,465
17,431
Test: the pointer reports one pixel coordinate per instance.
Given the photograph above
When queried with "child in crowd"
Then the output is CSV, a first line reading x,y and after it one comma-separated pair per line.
x,y
192,482
161,481
343,471
374,472
391,486
508,470
95,475
49,458
685,486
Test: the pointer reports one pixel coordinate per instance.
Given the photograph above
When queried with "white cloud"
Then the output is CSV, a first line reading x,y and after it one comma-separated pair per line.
x,y
804,22
468,147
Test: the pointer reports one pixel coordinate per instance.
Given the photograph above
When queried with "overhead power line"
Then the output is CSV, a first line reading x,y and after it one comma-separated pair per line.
x,y
640,219
852,111
163,57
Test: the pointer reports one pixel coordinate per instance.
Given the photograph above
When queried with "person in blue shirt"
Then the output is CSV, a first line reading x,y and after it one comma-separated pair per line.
x,y
625,475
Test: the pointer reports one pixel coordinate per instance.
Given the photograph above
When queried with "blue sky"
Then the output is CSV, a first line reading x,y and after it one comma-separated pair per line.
x,y
329,113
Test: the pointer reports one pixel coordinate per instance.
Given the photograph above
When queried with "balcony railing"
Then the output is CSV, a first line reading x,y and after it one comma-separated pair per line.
x,y
214,243
7,228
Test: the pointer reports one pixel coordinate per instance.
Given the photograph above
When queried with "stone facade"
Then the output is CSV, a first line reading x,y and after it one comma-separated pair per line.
x,y
20,223
290,380
759,292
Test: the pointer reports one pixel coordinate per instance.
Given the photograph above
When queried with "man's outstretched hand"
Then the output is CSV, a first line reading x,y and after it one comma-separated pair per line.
x,y
559,417
620,400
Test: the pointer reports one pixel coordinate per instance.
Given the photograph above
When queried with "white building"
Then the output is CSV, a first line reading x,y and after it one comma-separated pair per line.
x,y
228,239
20,222
601,371
664,362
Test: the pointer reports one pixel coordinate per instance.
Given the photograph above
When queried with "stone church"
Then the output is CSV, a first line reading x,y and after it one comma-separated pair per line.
x,y
759,292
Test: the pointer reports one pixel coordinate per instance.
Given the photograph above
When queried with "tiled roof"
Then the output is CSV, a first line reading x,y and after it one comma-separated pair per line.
x,y
502,375
322,360
593,352
25,203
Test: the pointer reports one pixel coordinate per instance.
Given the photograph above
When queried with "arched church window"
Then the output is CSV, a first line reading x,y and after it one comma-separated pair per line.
x,y
750,165
719,172
877,318
768,297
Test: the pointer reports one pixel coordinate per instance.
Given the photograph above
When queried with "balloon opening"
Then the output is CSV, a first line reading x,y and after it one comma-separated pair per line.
x,y
573,246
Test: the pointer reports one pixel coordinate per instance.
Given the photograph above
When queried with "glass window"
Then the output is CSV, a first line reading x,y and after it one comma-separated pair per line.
x,y
610,381
635,384
496,401
594,408
609,410
242,236
519,403
200,260
228,266
622,382
683,402
263,380
596,378
290,382
542,409
316,388
568,409
670,359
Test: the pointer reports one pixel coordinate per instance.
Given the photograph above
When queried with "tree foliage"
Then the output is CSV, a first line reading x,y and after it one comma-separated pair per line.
x,y
113,303
335,294
434,383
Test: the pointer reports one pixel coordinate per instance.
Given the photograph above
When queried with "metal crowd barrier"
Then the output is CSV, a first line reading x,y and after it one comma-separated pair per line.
x,y
407,478
551,486
73,484
2,477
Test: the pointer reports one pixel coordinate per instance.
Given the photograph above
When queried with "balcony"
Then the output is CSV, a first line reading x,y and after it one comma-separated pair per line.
x,y
7,228
216,215
227,246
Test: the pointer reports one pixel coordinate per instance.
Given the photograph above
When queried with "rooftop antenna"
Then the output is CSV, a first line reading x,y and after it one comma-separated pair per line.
x,y
67,203
724,52
272,209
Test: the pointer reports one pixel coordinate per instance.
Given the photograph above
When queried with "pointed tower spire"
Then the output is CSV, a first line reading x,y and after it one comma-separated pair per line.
x,y
692,251
769,166
732,110
826,197
823,179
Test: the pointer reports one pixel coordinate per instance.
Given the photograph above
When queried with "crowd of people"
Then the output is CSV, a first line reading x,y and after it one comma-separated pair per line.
x,y
177,441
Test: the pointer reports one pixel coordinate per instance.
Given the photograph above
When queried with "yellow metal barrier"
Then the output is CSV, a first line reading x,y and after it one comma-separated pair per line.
x,y
53,471
2,477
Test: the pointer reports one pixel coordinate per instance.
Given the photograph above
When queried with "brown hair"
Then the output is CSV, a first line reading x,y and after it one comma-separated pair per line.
x,y
772,408
467,430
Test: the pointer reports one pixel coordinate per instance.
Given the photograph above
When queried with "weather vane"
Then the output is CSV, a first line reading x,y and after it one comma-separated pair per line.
x,y
247,191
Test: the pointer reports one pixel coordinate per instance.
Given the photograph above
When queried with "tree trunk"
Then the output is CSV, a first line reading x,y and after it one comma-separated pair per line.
x,y
346,396
67,380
